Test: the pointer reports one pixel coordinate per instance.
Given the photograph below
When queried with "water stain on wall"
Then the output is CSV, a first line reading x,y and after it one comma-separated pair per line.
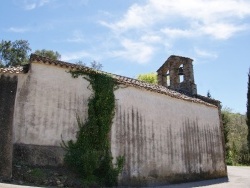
x,y
155,153
8,87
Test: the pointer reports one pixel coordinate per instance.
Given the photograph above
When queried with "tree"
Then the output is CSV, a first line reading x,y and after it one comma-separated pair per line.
x,y
225,121
148,77
48,53
248,112
96,65
14,53
208,94
93,64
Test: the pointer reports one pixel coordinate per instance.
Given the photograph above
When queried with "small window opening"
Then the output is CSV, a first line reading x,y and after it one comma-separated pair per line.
x,y
168,78
181,73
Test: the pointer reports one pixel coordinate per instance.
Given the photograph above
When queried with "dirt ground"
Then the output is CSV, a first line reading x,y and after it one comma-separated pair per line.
x,y
237,177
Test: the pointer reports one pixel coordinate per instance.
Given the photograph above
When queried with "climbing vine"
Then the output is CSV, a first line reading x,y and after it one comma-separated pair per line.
x,y
90,155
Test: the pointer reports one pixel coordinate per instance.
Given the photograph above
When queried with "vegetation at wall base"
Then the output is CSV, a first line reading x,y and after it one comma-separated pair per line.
x,y
90,155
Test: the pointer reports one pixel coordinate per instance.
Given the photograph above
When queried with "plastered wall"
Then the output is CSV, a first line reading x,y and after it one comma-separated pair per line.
x,y
47,102
164,139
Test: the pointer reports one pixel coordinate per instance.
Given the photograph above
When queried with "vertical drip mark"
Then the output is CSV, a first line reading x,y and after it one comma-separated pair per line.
x,y
125,143
166,146
116,131
214,157
121,136
149,144
153,141
171,145
199,145
133,141
161,148
128,145
186,147
139,143
191,144
182,136
206,145
145,140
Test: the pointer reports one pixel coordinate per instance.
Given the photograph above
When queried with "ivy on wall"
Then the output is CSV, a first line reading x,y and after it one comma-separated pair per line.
x,y
90,155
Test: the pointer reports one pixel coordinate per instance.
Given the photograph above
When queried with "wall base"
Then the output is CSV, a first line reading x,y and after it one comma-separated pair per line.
x,y
39,155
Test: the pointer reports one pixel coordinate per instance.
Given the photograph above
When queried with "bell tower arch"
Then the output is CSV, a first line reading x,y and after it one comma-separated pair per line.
x,y
179,71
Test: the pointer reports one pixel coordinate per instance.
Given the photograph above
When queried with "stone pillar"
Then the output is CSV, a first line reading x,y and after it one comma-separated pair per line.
x,y
8,87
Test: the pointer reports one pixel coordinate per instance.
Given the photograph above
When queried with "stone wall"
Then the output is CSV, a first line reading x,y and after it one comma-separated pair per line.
x,y
8,85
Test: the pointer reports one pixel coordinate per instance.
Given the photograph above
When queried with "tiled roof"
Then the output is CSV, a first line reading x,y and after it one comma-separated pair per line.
x,y
12,70
121,79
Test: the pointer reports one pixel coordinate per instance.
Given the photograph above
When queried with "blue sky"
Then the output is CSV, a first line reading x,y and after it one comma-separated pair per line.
x,y
130,37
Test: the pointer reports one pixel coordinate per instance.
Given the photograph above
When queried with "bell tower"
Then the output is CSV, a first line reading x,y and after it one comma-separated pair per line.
x,y
177,74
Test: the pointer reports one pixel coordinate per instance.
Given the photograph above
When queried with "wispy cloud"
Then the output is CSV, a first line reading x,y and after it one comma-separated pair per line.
x,y
18,29
135,51
75,55
32,4
204,53
77,37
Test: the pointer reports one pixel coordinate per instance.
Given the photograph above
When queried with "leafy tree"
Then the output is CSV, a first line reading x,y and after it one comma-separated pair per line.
x,y
14,53
225,121
148,77
248,112
48,53
96,65
209,94
235,132
93,64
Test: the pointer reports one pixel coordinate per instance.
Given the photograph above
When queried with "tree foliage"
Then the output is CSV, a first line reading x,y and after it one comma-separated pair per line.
x,y
48,53
248,112
209,94
94,64
14,53
148,77
235,133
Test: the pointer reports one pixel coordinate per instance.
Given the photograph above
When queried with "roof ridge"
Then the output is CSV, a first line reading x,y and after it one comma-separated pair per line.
x,y
122,79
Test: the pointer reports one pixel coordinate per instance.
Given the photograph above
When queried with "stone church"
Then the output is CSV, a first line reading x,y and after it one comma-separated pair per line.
x,y
166,132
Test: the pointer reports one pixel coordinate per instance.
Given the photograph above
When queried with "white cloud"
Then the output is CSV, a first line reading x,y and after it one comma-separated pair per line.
x,y
135,51
77,37
75,55
225,16
31,4
177,33
18,29
151,38
204,53
221,30
162,22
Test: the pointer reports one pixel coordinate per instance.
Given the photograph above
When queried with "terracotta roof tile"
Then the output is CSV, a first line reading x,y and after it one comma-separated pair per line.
x,y
124,80
12,70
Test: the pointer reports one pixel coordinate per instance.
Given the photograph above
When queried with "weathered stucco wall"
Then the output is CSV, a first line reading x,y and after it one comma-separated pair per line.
x,y
8,86
164,139
48,100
